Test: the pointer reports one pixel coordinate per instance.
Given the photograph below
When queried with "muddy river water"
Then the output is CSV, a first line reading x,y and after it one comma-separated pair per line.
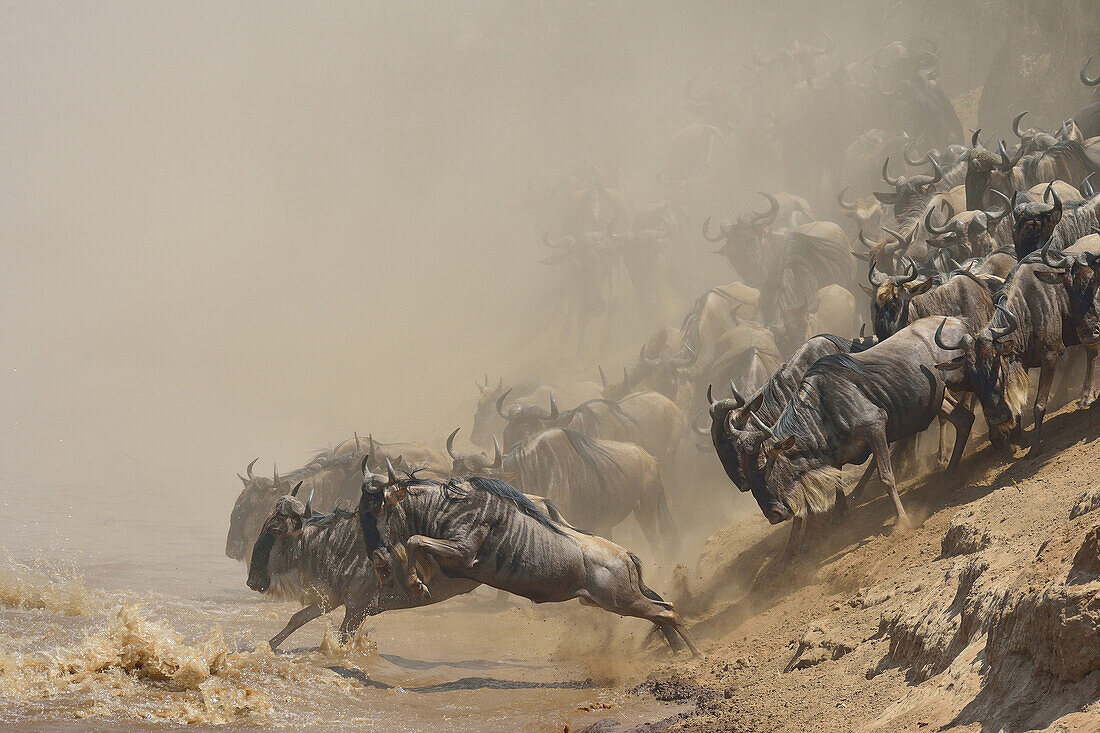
x,y
119,611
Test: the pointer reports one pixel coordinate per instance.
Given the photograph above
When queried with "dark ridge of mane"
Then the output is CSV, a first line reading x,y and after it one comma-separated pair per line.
x,y
612,406
792,422
1061,149
843,344
829,364
319,520
510,493
588,449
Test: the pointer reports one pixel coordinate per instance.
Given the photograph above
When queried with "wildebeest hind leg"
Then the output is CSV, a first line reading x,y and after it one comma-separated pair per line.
x,y
1088,389
881,450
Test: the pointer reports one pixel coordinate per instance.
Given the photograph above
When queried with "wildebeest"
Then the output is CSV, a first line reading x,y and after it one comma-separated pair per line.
x,y
490,421
413,456
850,407
321,560
597,483
486,531
647,419
754,241
329,477
1088,117
1056,220
1049,313
714,313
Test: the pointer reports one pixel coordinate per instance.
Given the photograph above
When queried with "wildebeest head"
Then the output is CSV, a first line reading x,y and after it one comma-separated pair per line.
x,y
486,419
523,421
1034,221
252,505
886,254
724,434
986,170
1001,384
284,524
891,294
967,232
744,237
866,212
793,482
1033,140
1080,276
615,391
908,191
657,369
465,465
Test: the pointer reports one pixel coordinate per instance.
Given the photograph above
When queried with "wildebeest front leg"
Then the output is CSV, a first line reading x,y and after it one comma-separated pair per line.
x,y
296,622
1046,378
1088,389
881,450
796,541
841,507
353,619
457,555
962,417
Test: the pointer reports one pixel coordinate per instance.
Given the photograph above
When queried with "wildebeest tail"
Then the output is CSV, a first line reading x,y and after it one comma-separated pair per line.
x,y
646,590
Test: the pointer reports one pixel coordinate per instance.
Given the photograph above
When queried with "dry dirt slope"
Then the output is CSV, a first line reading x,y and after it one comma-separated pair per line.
x,y
984,618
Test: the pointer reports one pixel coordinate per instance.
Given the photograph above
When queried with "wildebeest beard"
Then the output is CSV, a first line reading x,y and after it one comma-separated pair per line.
x,y
258,577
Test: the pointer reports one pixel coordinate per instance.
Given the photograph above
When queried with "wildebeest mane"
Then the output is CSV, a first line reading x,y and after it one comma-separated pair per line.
x,y
588,450
1062,149
510,493
831,363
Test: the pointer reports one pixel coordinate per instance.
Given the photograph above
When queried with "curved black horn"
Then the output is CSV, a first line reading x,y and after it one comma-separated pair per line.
x,y
912,267
874,275
1006,163
1084,76
844,205
937,230
760,424
1016,125
737,395
937,172
500,403
886,174
553,407
903,242
1061,263
1013,322
706,229
451,443
1086,187
939,338
248,471
768,216
363,465
919,161
498,459
603,378
974,138
275,473
294,491
309,503
996,216
391,475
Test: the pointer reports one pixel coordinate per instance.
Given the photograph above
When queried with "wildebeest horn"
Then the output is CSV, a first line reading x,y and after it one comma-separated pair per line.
x,y
974,138
736,395
1006,164
451,443
760,424
1056,201
842,203
939,338
1084,76
357,446
919,161
294,491
886,174
626,377
706,229
875,276
938,230
1058,264
500,403
275,473
248,471
1086,187
912,267
710,395
1016,124
391,475
603,378
768,216
996,216
1013,322
309,503
553,407
363,465
498,459
903,242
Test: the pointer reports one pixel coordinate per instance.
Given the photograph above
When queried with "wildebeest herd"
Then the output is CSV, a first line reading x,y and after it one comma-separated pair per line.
x,y
980,261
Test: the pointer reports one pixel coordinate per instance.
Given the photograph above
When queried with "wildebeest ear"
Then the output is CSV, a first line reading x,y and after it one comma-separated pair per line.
x,y
1051,278
886,198
922,287
867,289
785,444
957,363
754,405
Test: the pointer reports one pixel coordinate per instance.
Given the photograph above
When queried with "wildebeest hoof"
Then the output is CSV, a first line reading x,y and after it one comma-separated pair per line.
x,y
416,585
1086,401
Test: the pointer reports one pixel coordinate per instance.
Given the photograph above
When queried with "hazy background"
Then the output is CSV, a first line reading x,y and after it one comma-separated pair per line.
x,y
240,229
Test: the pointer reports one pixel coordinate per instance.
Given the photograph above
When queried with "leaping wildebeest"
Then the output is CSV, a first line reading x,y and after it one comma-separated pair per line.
x,y
485,530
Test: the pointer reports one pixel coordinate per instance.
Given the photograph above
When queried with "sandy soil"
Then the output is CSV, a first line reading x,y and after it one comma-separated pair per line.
x,y
986,617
